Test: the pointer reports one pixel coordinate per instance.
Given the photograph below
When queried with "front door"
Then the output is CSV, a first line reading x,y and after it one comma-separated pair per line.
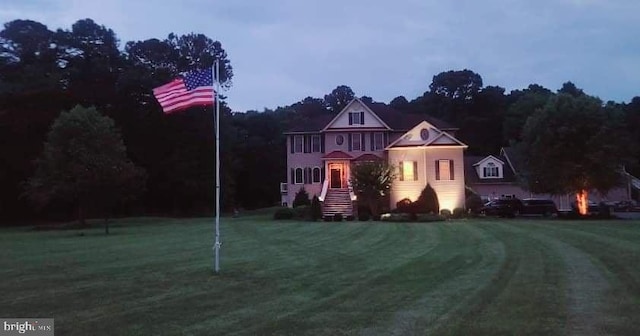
x,y
336,178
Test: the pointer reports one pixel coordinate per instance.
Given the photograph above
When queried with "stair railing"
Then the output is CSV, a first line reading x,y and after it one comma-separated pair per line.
x,y
352,195
325,188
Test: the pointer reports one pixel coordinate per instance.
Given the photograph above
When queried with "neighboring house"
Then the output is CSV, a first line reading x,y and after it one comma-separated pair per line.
x,y
495,176
424,150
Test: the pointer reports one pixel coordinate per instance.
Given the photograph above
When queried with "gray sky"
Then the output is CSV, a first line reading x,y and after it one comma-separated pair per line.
x,y
285,50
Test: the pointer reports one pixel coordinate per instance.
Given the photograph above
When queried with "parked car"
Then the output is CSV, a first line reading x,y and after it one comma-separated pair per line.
x,y
506,207
538,206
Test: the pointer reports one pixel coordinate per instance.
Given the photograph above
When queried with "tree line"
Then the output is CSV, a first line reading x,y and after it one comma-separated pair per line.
x,y
44,72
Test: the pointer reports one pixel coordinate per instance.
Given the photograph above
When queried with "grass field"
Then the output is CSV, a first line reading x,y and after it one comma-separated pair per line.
x,y
469,277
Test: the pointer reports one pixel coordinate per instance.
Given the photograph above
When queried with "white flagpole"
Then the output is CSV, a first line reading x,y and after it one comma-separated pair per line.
x,y
216,246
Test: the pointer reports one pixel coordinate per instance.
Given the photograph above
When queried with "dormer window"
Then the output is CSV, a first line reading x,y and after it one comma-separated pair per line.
x,y
490,170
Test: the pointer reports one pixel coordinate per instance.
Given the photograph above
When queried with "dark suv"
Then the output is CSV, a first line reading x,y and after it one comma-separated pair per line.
x,y
507,207
536,206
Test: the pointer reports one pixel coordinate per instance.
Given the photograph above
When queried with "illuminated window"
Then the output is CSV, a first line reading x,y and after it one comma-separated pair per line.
x,y
408,171
444,170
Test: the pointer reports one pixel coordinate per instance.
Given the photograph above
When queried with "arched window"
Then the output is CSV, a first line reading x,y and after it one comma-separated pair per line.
x,y
316,175
299,176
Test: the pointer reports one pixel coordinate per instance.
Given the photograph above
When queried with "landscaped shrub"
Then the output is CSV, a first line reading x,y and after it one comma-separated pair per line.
x,y
316,209
425,218
407,217
458,213
427,202
395,217
283,213
404,206
302,212
363,216
302,198
473,203
337,217
446,213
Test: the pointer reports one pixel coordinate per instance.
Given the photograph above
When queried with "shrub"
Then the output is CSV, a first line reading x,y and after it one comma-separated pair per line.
x,y
316,209
283,213
458,213
337,217
395,217
302,198
363,216
473,203
427,202
404,205
425,218
446,213
302,212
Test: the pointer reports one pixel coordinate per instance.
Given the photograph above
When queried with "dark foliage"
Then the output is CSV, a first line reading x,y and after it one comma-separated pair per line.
x,y
427,202
316,209
302,198
283,213
337,217
458,213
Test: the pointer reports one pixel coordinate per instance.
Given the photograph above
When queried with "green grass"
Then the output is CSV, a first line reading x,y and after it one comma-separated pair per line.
x,y
466,277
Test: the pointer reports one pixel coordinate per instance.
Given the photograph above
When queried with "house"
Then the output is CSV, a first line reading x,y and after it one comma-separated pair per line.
x,y
495,176
321,152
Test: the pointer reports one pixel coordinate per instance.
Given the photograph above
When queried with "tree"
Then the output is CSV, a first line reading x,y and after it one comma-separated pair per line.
x,y
427,202
399,103
339,98
571,89
460,84
371,181
528,102
573,145
84,162
302,198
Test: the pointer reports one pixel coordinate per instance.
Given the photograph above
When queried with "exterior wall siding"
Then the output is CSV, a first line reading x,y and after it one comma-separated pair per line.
x,y
450,192
331,144
370,121
301,160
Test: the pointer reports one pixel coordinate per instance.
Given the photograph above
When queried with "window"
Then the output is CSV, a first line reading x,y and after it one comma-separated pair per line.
x,y
444,170
298,143
315,143
339,140
490,170
356,118
299,176
356,142
316,175
307,175
408,171
378,141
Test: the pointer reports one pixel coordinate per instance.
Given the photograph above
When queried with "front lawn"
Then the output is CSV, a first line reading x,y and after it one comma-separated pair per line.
x,y
486,276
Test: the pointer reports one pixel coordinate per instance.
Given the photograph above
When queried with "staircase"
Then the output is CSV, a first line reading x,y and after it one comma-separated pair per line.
x,y
337,201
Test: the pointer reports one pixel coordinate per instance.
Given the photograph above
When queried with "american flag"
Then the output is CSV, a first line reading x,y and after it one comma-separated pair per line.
x,y
195,88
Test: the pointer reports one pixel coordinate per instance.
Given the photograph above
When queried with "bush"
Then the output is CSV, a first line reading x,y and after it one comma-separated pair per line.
x,y
473,203
302,212
316,209
425,218
283,213
427,202
404,206
302,198
396,217
337,217
407,217
458,213
446,213
363,216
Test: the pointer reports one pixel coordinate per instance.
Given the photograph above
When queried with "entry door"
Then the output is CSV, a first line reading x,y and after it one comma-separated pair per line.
x,y
336,178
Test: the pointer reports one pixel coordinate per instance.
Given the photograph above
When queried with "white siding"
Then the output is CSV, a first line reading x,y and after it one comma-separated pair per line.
x,y
370,121
450,192
413,138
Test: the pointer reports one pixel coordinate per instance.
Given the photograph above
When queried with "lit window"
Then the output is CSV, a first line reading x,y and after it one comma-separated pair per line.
x,y
408,171
444,170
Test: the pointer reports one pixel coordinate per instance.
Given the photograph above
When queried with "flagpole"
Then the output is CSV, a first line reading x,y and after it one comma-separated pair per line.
x,y
216,246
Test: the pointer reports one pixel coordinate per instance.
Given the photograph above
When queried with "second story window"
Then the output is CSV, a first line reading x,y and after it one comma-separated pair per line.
x,y
378,141
315,144
298,143
356,142
491,170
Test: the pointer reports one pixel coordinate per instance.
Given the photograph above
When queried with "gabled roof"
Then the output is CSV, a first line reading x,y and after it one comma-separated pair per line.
x,y
346,108
337,155
446,139
513,158
471,174
402,121
394,119
435,138
487,158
